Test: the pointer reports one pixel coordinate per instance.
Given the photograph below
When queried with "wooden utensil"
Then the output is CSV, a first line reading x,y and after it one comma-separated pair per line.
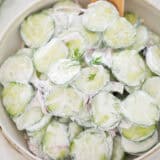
x,y
118,3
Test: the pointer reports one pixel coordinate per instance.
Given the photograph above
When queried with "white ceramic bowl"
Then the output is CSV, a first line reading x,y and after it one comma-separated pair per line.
x,y
10,41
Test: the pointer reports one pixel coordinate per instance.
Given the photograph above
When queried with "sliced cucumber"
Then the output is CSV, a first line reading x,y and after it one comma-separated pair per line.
x,y
74,41
50,53
74,130
114,86
64,102
43,120
139,147
34,140
75,22
67,6
64,120
55,141
152,87
33,31
33,119
133,18
118,151
16,96
61,22
26,51
93,38
99,58
149,73
154,39
153,59
92,79
40,124
63,71
18,68
131,89
28,118
128,67
99,16
136,132
90,144
105,109
141,38
137,104
120,35
84,118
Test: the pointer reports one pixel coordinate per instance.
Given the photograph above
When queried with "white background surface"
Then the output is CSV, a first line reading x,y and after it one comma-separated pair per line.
x,y
8,9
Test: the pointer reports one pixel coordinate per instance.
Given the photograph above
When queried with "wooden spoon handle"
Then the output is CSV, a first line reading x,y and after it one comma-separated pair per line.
x,y
120,6
118,3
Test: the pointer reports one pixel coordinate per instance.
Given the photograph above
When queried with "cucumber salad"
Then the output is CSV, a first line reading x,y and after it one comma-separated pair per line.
x,y
85,85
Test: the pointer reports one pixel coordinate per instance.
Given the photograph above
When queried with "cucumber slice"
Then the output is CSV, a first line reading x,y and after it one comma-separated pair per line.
x,y
55,141
149,73
105,109
141,38
90,144
63,71
93,38
114,86
67,6
137,104
16,96
61,22
120,35
34,140
100,57
99,16
131,89
63,120
34,32
153,59
18,68
84,120
139,147
40,124
118,151
74,41
84,117
28,118
32,119
135,132
92,79
74,130
26,52
133,18
128,67
70,106
152,87
154,39
75,22
50,53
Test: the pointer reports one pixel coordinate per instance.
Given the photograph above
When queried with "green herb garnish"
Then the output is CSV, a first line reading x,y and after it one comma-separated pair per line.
x,y
91,76
96,61
78,56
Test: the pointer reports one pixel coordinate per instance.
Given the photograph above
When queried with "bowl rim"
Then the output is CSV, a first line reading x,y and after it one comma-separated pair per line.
x,y
26,153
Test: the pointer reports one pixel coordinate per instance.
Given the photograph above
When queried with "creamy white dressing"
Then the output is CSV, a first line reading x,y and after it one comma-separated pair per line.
x,y
81,57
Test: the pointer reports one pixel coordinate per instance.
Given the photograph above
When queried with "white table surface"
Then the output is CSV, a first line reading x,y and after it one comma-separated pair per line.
x,y
7,10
